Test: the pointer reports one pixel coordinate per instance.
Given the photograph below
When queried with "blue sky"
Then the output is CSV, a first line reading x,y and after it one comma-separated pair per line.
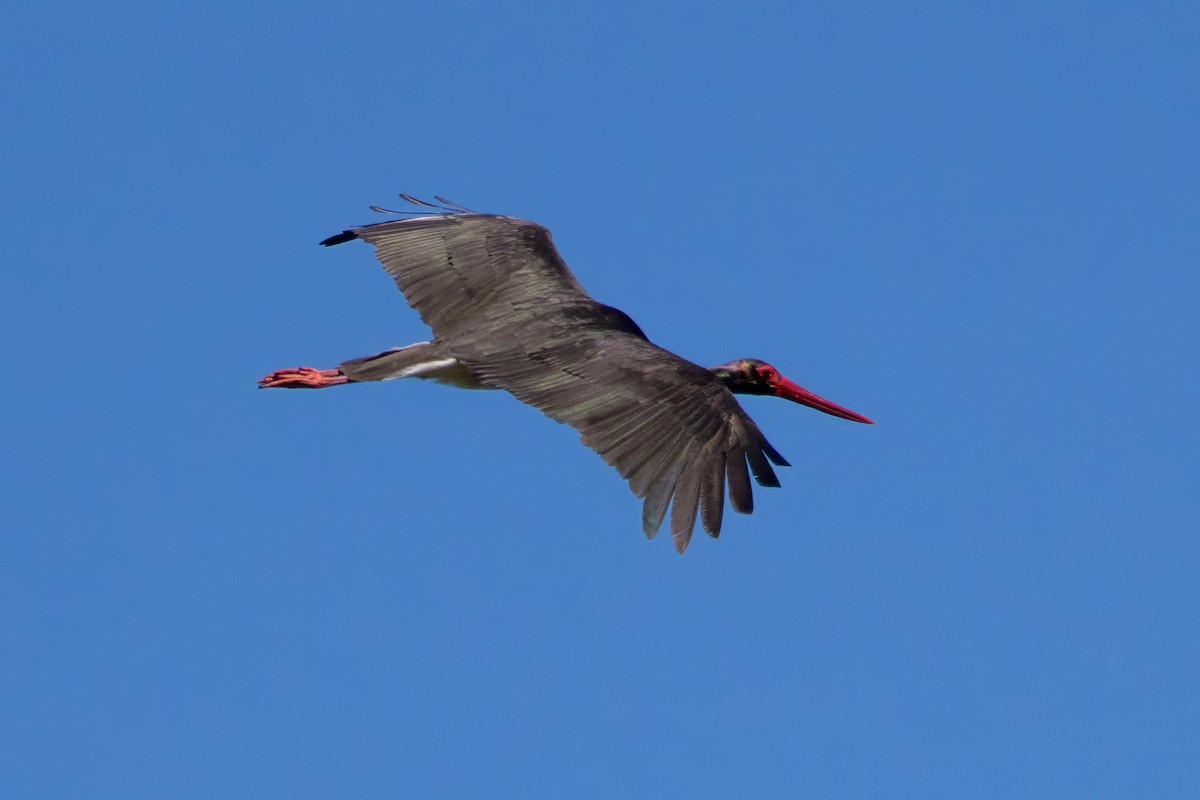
x,y
974,223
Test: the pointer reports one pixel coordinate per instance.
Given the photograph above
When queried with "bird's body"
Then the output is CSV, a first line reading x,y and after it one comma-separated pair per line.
x,y
507,313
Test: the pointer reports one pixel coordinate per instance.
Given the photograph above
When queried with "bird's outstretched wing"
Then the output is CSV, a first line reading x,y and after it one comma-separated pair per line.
x,y
462,271
498,296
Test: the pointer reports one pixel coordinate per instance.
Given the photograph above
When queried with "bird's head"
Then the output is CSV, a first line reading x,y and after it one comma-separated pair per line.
x,y
751,376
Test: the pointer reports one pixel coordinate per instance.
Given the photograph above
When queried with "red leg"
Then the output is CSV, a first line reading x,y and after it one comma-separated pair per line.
x,y
303,378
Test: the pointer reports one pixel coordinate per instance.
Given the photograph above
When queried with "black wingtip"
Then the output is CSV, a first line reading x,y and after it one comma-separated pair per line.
x,y
776,458
339,238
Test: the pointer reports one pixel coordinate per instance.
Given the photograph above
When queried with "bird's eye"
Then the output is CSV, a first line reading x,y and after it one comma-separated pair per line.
x,y
767,374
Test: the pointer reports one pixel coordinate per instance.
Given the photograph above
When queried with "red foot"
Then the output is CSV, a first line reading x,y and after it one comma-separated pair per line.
x,y
303,378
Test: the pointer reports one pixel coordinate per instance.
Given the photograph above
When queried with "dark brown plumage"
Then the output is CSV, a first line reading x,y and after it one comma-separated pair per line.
x,y
508,314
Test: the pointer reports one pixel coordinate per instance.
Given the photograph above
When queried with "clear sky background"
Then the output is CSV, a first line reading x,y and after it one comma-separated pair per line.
x,y
975,223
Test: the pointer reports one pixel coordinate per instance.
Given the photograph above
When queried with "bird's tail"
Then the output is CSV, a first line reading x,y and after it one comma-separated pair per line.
x,y
421,360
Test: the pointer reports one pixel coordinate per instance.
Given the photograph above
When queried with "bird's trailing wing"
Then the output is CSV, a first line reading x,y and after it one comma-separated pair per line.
x,y
669,427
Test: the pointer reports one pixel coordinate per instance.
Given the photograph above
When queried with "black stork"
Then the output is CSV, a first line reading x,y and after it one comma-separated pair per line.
x,y
506,313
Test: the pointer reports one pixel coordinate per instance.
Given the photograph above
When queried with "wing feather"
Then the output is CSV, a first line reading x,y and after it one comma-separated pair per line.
x,y
712,494
741,495
654,510
686,503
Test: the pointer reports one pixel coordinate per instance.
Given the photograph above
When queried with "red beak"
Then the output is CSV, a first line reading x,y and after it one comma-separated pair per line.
x,y
798,394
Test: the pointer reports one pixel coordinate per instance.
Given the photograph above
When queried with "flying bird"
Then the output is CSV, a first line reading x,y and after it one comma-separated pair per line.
x,y
506,313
